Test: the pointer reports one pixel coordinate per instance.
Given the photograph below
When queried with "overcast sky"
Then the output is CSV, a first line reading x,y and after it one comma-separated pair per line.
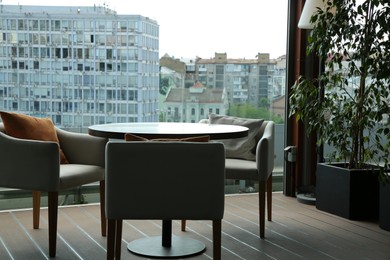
x,y
201,28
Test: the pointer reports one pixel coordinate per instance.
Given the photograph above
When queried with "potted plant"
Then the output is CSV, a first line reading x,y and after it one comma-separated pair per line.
x,y
384,206
347,105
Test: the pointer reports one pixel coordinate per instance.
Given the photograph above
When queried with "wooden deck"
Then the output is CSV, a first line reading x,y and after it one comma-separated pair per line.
x,y
298,231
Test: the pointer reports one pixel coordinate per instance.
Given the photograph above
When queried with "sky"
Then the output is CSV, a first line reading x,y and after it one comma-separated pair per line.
x,y
190,29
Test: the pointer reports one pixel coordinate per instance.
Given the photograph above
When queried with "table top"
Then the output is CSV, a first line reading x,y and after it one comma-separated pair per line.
x,y
154,130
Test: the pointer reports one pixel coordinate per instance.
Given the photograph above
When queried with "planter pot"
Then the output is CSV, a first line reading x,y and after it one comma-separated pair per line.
x,y
348,193
384,207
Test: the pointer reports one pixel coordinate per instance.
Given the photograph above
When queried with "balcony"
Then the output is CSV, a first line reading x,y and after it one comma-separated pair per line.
x,y
297,231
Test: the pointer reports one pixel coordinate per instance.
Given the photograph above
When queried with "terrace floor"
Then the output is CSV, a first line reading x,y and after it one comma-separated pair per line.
x,y
297,231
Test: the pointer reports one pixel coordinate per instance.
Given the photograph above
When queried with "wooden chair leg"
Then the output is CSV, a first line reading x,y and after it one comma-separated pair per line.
x,y
262,186
53,216
111,234
118,239
183,225
217,239
103,220
114,239
36,208
269,198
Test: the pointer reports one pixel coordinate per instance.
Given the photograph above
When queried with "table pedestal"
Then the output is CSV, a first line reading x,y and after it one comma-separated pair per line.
x,y
152,247
166,246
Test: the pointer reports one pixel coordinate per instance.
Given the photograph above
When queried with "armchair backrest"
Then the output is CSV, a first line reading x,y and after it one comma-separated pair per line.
x,y
82,148
165,180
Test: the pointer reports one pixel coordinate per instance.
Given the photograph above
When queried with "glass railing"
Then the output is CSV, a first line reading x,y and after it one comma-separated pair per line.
x,y
19,199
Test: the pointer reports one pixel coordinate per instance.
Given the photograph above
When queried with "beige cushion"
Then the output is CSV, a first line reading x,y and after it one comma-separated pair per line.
x,y
28,127
241,148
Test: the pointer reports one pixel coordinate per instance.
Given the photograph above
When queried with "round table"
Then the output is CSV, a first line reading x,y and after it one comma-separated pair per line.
x,y
155,130
166,246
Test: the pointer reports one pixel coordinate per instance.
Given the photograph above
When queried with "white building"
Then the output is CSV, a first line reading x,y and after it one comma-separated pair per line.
x,y
193,104
78,65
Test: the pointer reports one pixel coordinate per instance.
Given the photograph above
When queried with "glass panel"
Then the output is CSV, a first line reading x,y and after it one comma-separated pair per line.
x,y
84,68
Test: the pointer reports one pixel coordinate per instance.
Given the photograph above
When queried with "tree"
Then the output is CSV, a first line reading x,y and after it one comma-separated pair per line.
x,y
164,85
352,115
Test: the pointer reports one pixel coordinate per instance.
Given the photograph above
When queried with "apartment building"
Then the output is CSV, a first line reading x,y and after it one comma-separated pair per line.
x,y
259,82
79,65
185,99
245,80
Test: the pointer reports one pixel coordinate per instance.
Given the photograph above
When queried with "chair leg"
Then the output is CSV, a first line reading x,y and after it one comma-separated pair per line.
x,y
114,239
118,239
262,185
183,225
36,208
111,234
217,239
103,220
269,198
53,217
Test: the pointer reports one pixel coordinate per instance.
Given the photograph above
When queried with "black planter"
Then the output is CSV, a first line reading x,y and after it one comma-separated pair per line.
x,y
348,193
384,207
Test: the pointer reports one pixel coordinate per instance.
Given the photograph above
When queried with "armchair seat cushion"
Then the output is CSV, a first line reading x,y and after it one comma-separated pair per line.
x,y
73,175
241,169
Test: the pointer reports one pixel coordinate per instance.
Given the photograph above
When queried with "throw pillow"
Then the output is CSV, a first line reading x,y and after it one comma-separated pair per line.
x,y
241,148
203,138
28,127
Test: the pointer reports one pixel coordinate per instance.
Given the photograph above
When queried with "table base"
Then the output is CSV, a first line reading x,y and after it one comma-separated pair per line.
x,y
152,247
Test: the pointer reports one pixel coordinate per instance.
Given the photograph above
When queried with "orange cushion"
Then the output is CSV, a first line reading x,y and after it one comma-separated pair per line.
x,y
28,127
202,138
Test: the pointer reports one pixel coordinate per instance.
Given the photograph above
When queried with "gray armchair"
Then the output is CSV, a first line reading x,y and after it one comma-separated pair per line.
x,y
259,169
34,165
160,180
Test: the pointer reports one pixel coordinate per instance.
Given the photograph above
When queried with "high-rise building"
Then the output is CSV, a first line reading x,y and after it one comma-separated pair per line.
x,y
79,65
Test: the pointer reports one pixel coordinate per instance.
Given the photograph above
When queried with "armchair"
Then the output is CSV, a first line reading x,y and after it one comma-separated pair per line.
x,y
171,171
35,165
260,169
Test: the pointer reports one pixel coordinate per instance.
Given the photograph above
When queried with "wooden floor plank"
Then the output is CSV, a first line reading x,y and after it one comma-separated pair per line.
x,y
298,231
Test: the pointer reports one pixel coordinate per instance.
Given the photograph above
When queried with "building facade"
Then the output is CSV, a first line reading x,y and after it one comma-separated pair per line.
x,y
259,82
193,104
245,80
79,65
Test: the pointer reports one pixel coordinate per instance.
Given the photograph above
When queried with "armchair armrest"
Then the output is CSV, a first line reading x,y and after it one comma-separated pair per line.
x,y
265,151
82,148
29,164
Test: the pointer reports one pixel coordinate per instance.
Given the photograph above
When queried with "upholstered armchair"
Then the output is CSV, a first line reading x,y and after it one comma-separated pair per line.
x,y
259,170
171,171
251,159
35,165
